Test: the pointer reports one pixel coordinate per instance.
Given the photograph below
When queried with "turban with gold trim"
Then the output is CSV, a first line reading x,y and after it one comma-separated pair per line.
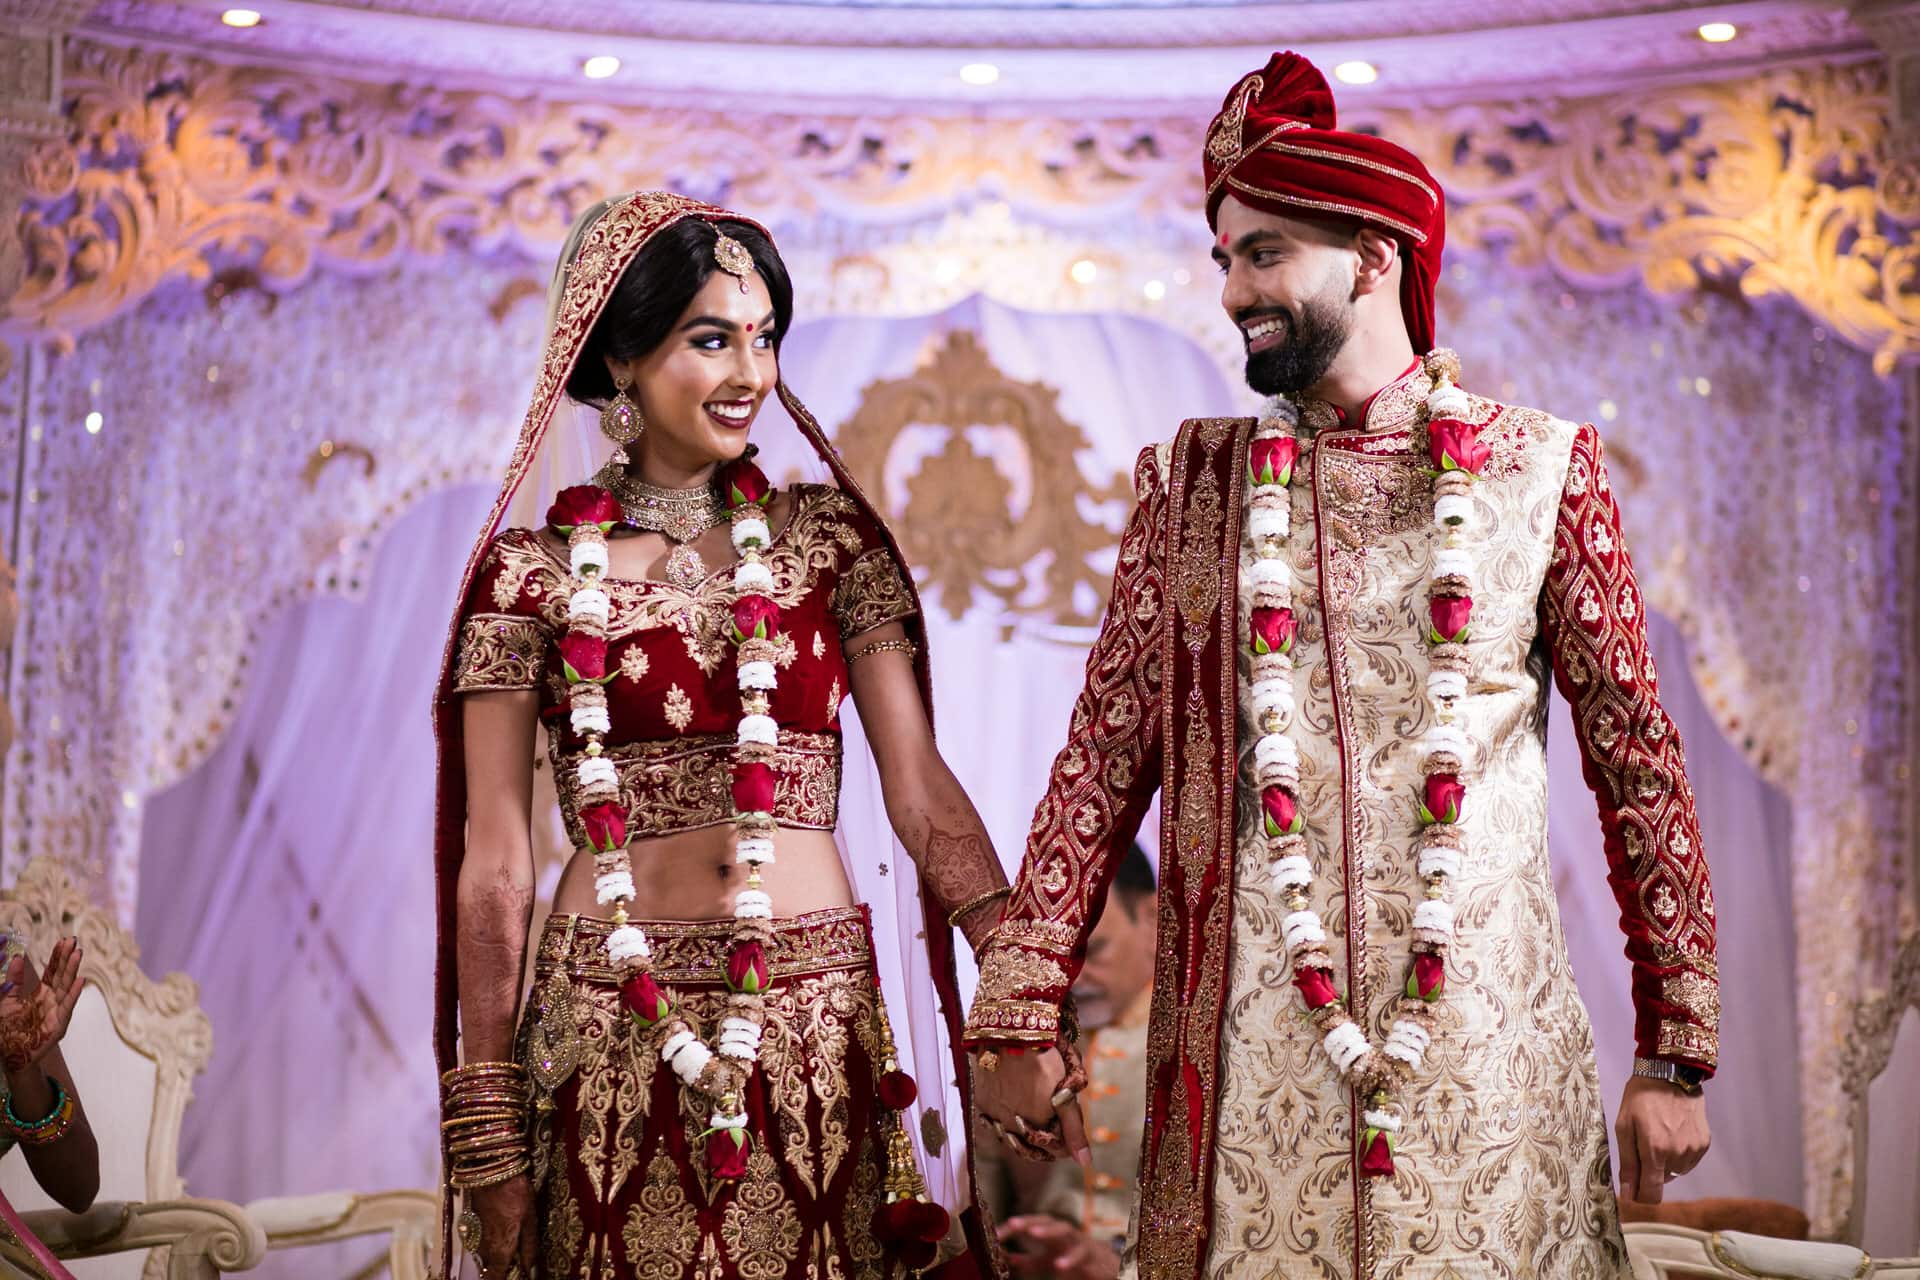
x,y
1274,147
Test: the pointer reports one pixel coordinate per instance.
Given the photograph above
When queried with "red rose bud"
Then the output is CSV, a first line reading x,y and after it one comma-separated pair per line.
x,y
755,618
583,657
1443,798
583,504
1282,814
1271,461
1316,987
727,1151
606,826
1455,446
1449,616
1428,980
645,1000
1272,630
897,1090
747,968
1376,1154
744,484
753,786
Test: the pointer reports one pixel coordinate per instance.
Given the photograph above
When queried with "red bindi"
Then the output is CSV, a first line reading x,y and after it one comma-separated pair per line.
x,y
1223,240
749,328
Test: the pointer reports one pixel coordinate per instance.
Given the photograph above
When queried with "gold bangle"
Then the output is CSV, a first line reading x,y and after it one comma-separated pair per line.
x,y
907,647
974,904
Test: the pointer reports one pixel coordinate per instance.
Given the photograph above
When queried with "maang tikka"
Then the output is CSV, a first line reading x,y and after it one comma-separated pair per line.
x,y
621,420
733,258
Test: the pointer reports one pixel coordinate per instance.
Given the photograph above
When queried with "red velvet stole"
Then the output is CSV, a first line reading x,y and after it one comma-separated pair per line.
x,y
1199,759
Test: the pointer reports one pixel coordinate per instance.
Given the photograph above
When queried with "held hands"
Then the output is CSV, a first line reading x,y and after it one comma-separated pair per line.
x,y
1662,1133
35,1010
1039,1245
1017,1100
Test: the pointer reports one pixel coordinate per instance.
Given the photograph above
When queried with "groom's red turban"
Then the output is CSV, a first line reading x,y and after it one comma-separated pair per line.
x,y
1274,147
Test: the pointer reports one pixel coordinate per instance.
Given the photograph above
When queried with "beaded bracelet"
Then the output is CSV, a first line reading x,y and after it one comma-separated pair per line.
x,y
49,1128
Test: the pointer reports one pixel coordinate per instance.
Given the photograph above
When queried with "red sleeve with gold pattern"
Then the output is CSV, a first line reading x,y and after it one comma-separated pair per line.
x,y
1100,786
504,637
872,587
1593,619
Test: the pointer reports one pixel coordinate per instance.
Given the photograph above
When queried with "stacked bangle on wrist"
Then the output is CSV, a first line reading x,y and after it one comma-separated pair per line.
x,y
485,1106
48,1128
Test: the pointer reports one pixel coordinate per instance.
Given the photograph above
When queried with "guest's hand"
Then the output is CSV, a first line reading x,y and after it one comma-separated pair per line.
x,y
1039,1245
35,1011
1016,1098
1662,1133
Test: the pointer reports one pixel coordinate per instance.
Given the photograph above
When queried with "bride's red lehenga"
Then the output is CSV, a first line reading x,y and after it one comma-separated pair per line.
x,y
623,1188
837,1154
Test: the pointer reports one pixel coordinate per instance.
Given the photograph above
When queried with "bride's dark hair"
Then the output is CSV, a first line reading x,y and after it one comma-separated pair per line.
x,y
655,290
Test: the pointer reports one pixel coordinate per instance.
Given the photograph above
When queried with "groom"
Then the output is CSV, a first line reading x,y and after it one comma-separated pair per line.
x,y
1328,648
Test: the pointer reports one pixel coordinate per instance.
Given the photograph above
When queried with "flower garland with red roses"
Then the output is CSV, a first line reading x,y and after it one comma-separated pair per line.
x,y
585,515
1453,445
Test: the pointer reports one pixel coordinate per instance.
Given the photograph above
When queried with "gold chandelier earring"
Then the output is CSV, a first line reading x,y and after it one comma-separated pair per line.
x,y
621,420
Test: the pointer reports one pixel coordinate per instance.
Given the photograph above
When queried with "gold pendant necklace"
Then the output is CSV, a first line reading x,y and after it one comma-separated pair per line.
x,y
681,515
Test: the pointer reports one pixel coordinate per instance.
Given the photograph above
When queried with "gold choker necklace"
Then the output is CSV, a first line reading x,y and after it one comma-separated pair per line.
x,y
680,514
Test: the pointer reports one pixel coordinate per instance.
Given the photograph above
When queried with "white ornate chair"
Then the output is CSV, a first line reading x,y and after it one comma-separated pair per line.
x,y
134,1048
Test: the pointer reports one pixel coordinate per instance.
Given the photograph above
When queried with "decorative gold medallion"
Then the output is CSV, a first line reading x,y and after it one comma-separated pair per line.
x,y
685,568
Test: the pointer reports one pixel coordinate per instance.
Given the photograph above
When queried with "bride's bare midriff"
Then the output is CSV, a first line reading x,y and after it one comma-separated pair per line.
x,y
691,875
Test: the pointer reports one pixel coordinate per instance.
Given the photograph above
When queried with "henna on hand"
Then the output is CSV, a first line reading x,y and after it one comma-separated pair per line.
x,y
36,1010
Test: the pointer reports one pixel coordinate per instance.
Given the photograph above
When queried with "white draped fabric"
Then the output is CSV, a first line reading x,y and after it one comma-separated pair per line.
x,y
291,874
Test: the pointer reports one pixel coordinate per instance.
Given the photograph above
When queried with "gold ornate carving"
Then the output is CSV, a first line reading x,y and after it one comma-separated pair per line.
x,y
1780,183
956,516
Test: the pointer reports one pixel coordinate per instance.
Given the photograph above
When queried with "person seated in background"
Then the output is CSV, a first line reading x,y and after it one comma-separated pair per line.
x,y
39,1107
1058,1218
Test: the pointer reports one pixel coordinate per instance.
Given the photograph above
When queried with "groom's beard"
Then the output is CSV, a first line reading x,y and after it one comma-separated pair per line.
x,y
1315,335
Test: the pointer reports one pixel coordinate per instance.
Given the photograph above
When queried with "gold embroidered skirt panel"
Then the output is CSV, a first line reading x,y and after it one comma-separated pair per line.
x,y
623,1190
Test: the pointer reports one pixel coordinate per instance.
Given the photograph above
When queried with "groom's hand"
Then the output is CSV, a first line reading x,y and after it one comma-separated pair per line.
x,y
1021,1089
1662,1133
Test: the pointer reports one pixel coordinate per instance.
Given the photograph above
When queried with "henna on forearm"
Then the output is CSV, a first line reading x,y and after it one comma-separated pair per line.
x,y
495,908
957,860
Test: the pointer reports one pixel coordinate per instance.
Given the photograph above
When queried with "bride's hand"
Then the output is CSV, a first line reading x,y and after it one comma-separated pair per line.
x,y
1016,1099
506,1229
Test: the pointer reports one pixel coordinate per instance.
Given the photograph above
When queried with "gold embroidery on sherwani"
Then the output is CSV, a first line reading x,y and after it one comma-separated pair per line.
x,y
1504,1169
1175,1220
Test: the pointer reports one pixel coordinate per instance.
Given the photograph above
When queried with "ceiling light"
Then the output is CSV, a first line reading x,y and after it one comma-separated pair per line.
x,y
980,73
1718,32
1084,271
1155,290
1356,73
241,17
600,66
94,423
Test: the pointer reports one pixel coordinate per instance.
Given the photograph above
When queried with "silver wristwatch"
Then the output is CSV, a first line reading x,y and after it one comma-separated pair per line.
x,y
1686,1079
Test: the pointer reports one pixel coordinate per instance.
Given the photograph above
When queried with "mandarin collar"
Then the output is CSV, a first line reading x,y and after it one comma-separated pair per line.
x,y
1392,408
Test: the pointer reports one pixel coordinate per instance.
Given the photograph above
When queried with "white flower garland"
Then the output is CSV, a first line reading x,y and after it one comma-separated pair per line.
x,y
1267,594
719,1070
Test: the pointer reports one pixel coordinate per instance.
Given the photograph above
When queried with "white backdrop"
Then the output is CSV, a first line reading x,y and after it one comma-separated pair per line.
x,y
292,873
